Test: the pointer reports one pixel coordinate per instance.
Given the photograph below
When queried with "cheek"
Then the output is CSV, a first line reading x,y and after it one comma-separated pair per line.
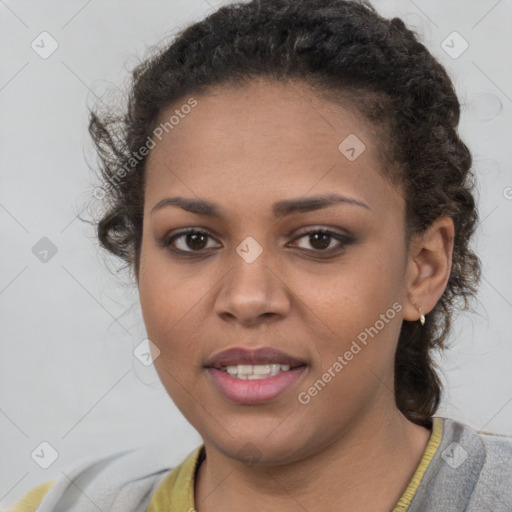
x,y
169,308
355,323
361,304
176,307
167,292
355,293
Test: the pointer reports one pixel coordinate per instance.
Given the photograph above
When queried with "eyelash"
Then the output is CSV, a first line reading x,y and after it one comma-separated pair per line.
x,y
343,239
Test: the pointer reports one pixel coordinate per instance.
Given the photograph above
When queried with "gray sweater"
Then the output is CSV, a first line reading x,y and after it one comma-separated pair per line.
x,y
470,471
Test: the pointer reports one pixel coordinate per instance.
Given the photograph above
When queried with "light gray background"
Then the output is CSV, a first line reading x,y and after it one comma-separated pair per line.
x,y
68,326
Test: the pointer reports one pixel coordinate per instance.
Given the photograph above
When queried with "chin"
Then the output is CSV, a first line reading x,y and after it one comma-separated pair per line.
x,y
258,449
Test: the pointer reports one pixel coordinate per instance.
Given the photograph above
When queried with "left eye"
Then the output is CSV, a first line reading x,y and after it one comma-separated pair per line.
x,y
196,241
321,239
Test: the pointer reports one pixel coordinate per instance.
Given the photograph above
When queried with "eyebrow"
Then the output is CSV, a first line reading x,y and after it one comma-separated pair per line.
x,y
280,209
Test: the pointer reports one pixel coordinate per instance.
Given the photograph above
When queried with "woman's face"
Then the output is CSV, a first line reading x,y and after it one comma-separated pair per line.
x,y
264,274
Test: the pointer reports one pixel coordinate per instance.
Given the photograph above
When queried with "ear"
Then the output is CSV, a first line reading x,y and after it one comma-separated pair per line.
x,y
428,268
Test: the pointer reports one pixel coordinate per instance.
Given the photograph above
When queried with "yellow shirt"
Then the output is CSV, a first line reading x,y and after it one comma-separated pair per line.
x,y
176,492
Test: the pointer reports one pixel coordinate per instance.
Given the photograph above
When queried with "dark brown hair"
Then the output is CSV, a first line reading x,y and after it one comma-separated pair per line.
x,y
349,53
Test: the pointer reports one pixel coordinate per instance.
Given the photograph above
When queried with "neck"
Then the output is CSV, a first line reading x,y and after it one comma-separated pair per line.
x,y
377,455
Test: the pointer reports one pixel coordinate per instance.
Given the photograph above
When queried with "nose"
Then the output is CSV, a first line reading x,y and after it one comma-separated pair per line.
x,y
252,291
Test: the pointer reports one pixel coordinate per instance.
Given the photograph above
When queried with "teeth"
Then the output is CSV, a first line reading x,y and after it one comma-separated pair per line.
x,y
261,369
244,369
255,371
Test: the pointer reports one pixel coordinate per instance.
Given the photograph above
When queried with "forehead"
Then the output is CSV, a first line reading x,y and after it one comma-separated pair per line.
x,y
265,139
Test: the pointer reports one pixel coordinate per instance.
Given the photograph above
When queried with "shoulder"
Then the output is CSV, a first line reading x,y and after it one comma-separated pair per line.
x,y
494,485
30,501
496,448
471,471
120,480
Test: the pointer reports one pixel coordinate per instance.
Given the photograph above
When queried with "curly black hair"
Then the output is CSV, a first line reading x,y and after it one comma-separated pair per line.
x,y
351,55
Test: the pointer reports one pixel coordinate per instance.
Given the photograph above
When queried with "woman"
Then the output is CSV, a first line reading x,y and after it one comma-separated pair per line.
x,y
290,192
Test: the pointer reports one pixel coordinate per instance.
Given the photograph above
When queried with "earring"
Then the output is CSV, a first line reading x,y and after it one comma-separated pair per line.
x,y
422,317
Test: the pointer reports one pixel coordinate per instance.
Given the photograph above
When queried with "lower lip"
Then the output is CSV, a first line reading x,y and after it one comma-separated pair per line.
x,y
254,391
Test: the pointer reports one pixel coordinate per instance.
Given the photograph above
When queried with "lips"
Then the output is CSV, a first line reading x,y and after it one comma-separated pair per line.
x,y
254,389
265,355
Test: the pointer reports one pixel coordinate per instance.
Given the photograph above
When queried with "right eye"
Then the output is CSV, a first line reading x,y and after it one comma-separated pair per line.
x,y
189,240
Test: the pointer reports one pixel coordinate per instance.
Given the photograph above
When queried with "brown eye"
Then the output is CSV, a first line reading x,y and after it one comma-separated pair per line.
x,y
192,241
322,240
188,241
196,240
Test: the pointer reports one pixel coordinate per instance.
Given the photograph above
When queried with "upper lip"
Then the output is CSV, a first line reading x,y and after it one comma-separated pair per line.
x,y
239,355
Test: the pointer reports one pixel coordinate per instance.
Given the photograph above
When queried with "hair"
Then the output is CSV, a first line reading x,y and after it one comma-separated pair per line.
x,y
348,54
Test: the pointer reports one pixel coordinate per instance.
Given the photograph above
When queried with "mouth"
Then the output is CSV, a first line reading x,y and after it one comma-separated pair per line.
x,y
263,362
257,371
254,376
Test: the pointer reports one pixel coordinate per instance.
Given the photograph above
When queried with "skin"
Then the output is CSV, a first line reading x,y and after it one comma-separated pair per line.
x,y
246,148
